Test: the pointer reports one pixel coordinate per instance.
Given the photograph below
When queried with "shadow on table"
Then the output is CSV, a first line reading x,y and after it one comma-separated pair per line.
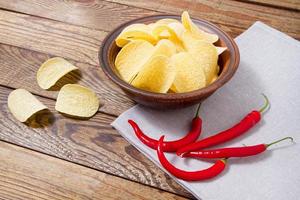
x,y
70,78
41,119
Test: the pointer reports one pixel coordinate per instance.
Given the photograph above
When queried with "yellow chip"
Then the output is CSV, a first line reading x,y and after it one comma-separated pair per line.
x,y
135,32
206,56
218,70
156,75
220,50
76,100
166,21
132,57
214,79
173,88
178,28
163,35
173,36
164,47
52,70
22,104
195,31
188,40
190,75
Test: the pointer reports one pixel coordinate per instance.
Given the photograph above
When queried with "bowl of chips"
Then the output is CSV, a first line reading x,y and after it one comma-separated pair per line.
x,y
169,61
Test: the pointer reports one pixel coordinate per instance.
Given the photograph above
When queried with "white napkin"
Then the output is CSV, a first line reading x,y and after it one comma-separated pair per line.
x,y
270,63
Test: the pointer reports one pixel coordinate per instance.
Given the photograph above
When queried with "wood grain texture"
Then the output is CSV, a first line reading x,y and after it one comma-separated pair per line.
x,y
51,37
97,14
227,13
284,4
93,143
25,174
20,67
232,16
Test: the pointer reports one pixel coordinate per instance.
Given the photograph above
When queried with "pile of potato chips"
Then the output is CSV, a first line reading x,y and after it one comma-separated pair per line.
x,y
73,99
168,56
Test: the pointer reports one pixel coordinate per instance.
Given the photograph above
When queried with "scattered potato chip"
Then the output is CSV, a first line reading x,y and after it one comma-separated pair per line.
x,y
52,70
135,32
206,56
132,57
156,75
220,50
76,100
195,31
22,104
190,75
173,36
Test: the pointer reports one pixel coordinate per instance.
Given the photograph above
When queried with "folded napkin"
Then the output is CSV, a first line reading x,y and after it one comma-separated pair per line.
x,y
270,64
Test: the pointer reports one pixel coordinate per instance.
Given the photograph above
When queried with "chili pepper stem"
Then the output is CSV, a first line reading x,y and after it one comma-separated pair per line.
x,y
277,141
266,104
198,109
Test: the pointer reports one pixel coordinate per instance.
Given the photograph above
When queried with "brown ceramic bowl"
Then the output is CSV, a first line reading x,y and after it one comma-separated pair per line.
x,y
228,62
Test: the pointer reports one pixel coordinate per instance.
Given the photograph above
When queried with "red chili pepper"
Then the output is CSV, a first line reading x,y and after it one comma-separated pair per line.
x,y
171,146
243,126
208,173
233,152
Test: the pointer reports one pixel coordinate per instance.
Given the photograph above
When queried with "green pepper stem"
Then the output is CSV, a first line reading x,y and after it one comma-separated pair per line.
x,y
198,109
286,138
266,104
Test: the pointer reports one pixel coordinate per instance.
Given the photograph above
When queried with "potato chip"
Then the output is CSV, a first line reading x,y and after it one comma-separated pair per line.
x,y
22,104
190,75
166,21
218,70
164,47
135,32
206,56
173,89
52,70
188,40
220,50
156,75
131,58
163,35
214,79
195,31
178,28
173,36
76,100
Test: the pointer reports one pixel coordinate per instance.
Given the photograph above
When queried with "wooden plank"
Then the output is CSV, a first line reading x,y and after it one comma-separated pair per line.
x,y
284,4
52,37
93,143
97,14
228,13
82,44
25,174
19,67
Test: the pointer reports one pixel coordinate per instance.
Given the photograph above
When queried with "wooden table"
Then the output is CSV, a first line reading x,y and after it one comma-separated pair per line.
x,y
55,157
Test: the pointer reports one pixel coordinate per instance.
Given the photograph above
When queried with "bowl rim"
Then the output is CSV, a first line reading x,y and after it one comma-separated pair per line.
x,y
102,53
